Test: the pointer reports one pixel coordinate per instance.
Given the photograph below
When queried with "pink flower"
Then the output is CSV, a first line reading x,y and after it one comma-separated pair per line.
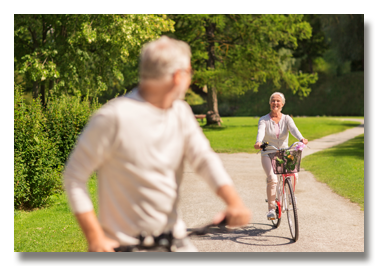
x,y
300,146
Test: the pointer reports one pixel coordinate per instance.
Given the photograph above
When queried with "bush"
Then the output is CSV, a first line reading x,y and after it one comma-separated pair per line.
x,y
36,167
66,118
192,98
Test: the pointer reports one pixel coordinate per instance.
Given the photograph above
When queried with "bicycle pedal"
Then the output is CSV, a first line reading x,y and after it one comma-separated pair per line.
x,y
271,219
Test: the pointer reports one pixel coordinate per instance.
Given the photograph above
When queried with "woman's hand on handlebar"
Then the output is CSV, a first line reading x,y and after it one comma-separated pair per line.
x,y
258,146
305,141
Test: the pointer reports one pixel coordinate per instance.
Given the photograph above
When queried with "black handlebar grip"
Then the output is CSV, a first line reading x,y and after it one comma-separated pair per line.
x,y
263,146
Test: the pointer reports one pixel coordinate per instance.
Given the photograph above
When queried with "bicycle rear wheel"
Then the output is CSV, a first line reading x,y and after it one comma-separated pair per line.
x,y
291,209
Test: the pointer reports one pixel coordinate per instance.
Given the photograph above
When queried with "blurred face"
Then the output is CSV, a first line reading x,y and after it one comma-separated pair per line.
x,y
276,103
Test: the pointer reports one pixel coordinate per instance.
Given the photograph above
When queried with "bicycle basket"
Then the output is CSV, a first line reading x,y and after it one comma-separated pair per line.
x,y
286,162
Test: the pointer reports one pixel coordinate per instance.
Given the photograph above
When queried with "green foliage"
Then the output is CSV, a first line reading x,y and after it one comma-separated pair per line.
x,y
245,51
36,167
192,98
82,53
331,96
66,118
312,48
345,35
341,168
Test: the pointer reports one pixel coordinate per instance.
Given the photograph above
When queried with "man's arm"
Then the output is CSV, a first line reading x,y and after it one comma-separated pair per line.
x,y
93,147
97,241
236,213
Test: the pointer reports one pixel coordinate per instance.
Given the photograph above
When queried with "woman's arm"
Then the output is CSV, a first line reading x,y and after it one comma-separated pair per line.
x,y
294,130
260,134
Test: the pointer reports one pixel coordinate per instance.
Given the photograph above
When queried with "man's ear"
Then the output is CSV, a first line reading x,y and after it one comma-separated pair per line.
x,y
177,76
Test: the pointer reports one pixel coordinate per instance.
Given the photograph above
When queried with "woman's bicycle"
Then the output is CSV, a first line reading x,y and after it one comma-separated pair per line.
x,y
163,242
286,163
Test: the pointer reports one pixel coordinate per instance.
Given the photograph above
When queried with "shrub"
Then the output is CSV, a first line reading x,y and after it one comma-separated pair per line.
x,y
66,118
193,98
36,167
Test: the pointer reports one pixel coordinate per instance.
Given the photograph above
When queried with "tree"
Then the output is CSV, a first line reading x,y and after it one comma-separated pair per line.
x,y
345,34
310,49
81,54
236,53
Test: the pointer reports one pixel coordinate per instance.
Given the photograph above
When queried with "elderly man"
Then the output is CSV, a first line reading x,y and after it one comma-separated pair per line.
x,y
138,144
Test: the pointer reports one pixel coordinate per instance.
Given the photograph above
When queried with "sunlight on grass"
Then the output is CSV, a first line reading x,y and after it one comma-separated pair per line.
x,y
341,168
238,134
51,229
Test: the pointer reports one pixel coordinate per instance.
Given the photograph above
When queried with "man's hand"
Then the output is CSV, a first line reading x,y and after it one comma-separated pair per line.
x,y
97,241
236,213
103,244
257,145
235,216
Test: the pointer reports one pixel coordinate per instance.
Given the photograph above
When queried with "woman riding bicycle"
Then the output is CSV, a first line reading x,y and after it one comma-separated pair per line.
x,y
274,128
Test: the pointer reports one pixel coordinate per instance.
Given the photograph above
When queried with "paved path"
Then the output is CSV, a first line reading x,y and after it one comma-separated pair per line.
x,y
327,221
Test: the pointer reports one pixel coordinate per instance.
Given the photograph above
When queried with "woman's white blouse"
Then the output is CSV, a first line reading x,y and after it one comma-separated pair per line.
x,y
267,132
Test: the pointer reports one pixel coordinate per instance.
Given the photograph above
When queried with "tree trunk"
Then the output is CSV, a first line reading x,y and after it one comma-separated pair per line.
x,y
43,94
35,90
212,115
310,65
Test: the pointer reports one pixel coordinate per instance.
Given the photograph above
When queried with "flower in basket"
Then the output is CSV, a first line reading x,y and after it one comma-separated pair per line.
x,y
300,146
288,161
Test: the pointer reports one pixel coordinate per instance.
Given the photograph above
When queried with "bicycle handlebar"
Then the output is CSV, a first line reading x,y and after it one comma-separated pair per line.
x,y
165,241
266,144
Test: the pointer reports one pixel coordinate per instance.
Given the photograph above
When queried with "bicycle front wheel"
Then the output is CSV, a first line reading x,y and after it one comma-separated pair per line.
x,y
291,209
278,204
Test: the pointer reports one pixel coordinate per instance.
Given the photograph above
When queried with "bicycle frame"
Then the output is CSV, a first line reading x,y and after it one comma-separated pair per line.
x,y
281,192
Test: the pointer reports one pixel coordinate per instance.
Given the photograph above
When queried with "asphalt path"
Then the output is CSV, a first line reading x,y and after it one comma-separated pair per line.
x,y
327,221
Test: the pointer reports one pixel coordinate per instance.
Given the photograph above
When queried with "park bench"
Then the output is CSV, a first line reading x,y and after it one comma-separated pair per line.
x,y
200,117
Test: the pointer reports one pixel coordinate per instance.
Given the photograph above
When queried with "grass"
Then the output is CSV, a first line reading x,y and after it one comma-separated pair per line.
x,y
51,229
238,134
341,168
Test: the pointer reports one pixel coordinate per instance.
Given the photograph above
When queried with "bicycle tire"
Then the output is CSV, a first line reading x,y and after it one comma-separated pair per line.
x,y
292,214
277,221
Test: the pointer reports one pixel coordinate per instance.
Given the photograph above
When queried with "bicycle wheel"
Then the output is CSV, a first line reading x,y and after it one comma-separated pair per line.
x,y
291,209
278,204
277,221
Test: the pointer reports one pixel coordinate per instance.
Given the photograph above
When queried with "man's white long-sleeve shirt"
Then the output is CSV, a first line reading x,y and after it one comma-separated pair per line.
x,y
138,151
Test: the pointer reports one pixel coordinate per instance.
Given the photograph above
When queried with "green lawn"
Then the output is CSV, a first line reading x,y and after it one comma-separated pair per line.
x,y
238,134
341,168
51,229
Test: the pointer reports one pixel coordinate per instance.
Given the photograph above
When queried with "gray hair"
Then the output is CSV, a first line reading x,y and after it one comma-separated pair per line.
x,y
278,93
163,57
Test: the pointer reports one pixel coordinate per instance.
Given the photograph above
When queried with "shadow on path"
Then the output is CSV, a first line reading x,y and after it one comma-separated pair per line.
x,y
249,235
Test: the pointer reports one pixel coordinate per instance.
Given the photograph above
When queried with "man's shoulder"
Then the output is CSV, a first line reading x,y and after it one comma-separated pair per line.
x,y
117,106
